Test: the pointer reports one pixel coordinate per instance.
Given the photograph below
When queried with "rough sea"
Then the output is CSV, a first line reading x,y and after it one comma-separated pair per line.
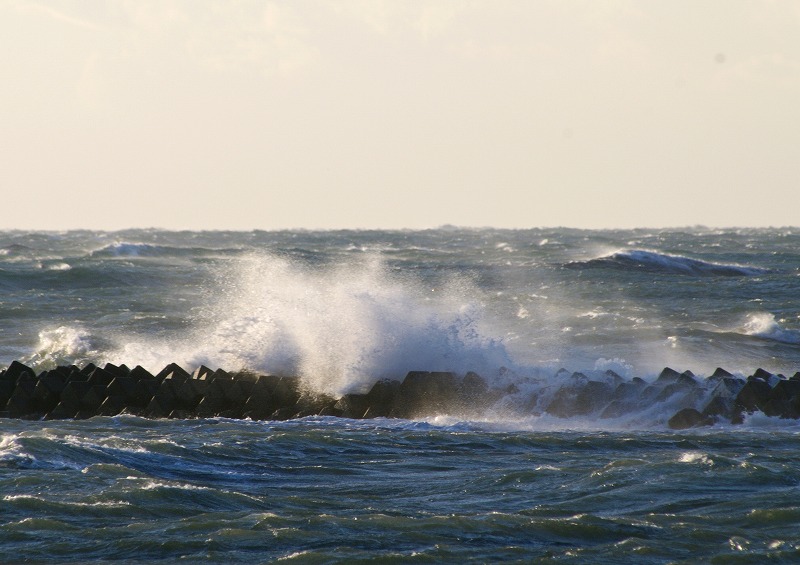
x,y
343,309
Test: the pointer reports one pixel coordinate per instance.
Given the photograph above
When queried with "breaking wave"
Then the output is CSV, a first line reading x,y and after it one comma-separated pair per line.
x,y
63,345
340,328
652,261
764,325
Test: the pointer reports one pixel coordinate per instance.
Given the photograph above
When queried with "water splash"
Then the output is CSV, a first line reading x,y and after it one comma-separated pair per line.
x,y
63,345
765,326
340,327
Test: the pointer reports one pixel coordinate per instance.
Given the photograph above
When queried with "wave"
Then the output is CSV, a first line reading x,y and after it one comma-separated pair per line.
x,y
14,249
63,345
338,327
124,249
764,325
652,261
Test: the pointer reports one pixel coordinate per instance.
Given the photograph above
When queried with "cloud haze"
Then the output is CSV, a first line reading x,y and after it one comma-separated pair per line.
x,y
330,114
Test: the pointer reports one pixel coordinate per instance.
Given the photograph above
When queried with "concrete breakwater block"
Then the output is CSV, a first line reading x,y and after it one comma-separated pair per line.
x,y
73,392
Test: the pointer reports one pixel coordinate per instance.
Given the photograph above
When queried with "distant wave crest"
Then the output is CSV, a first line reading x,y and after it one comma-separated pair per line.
x,y
126,249
652,261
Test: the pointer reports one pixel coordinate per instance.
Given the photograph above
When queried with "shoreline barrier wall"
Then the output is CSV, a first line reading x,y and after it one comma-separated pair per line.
x,y
71,392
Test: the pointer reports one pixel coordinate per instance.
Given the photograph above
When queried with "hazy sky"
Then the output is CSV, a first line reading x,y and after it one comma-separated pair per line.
x,y
326,114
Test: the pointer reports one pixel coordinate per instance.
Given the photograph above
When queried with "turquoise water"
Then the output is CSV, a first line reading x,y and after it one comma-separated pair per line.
x,y
343,309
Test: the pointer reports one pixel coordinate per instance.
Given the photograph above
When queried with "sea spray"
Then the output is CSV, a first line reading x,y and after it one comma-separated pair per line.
x,y
63,345
338,327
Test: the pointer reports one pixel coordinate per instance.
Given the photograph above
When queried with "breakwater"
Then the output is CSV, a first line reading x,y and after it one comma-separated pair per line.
x,y
70,392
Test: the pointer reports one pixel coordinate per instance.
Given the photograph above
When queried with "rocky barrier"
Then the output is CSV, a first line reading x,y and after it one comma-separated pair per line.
x,y
72,392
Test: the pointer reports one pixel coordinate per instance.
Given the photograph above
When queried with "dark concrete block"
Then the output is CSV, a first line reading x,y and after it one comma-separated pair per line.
x,y
174,369
158,408
202,372
580,400
73,393
93,398
20,403
87,370
281,414
381,398
27,381
139,373
62,411
112,406
353,405
425,393
786,390
720,373
47,395
311,405
286,391
762,374
101,377
667,376
188,394
259,408
117,371
689,418
6,390
211,405
16,370
122,387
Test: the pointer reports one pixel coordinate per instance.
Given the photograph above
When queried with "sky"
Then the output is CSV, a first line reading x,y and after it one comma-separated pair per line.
x,y
318,114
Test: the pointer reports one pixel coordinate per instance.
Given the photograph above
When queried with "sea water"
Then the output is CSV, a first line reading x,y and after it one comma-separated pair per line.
x,y
343,309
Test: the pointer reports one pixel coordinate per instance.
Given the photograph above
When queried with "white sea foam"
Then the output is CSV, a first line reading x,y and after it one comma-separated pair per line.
x,y
764,325
62,345
695,457
156,485
8,442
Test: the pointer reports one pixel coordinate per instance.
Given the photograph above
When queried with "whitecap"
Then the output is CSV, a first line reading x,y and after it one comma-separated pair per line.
x,y
128,249
62,345
765,326
695,457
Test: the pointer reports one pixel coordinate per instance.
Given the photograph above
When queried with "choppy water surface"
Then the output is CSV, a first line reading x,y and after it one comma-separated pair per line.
x,y
343,309
327,490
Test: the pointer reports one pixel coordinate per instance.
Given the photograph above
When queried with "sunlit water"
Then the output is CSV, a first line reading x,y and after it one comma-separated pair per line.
x,y
343,309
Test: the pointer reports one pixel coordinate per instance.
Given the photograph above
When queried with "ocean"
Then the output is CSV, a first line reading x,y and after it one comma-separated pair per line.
x,y
341,310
